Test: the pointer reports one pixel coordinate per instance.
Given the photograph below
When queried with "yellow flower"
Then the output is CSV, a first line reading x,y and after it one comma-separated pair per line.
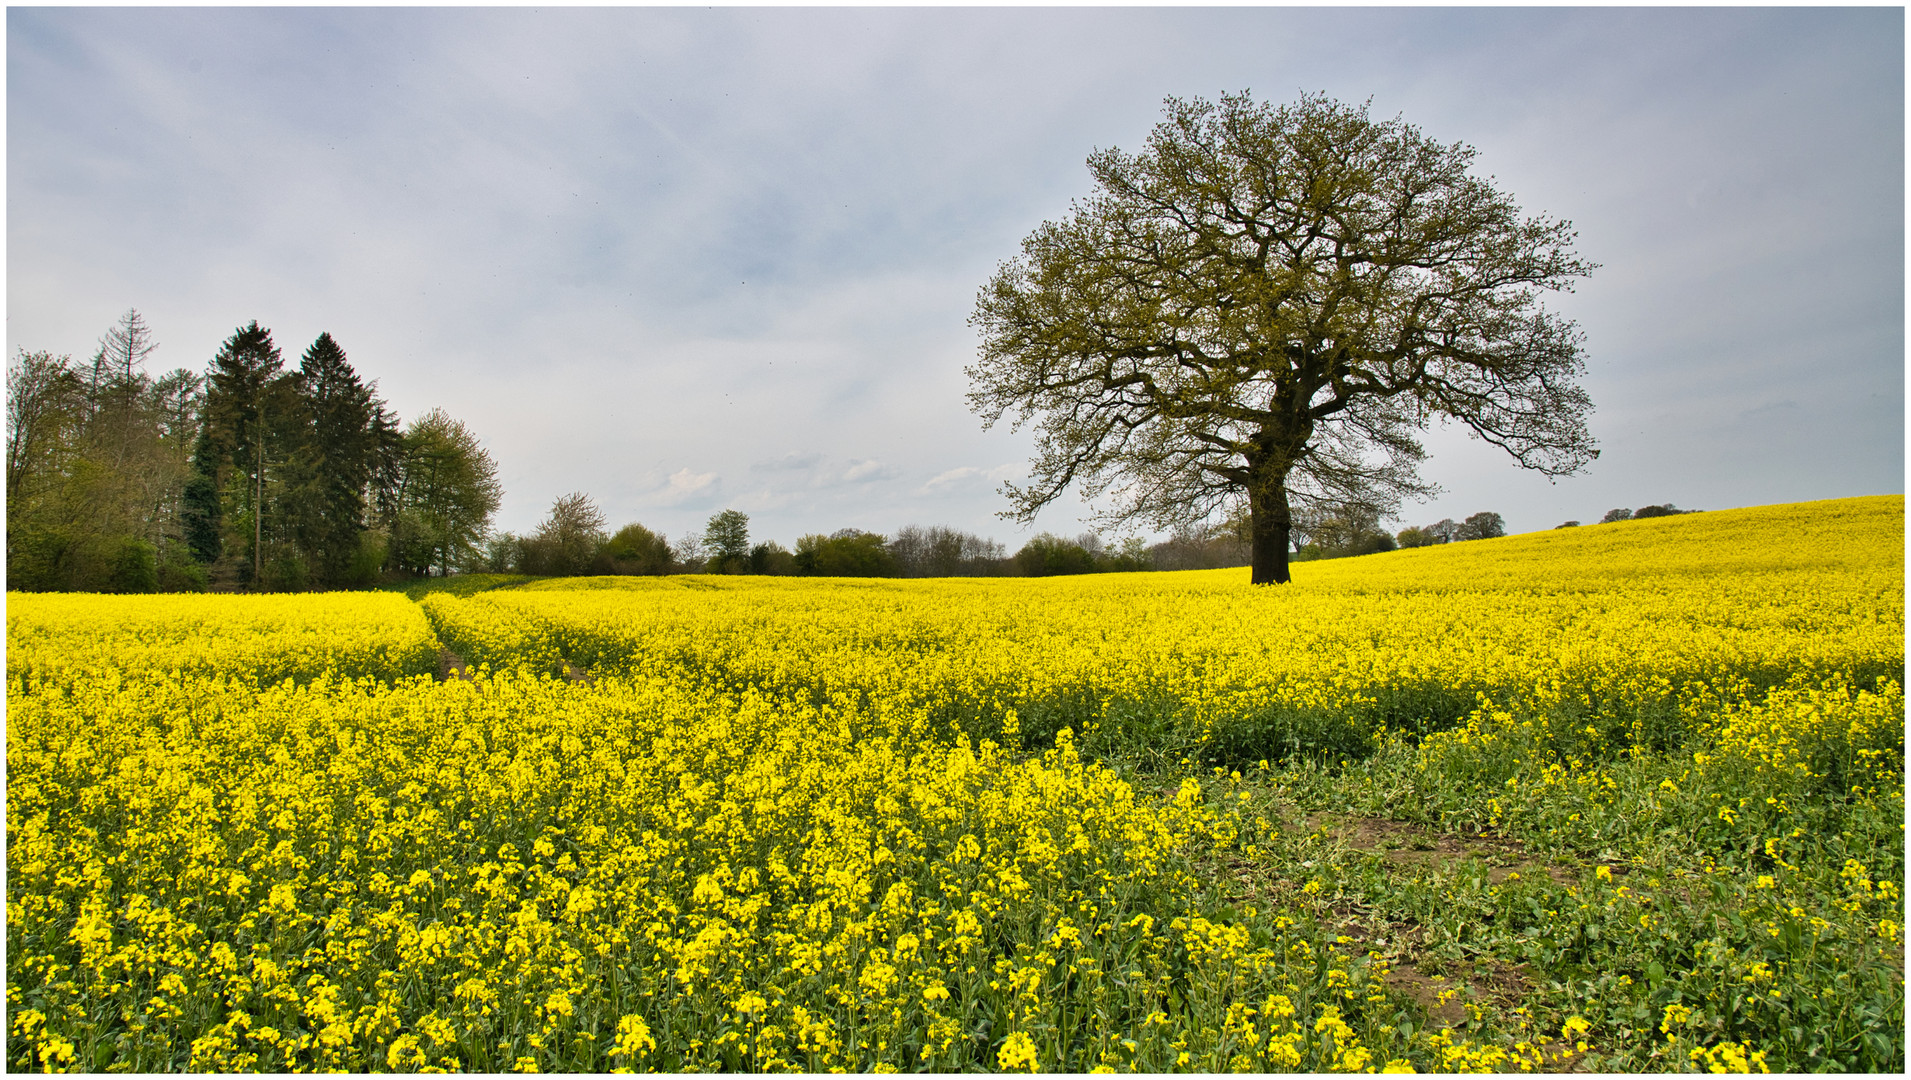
x,y
1018,1051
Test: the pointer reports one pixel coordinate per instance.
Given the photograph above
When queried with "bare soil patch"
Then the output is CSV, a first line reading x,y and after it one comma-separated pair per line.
x,y
1410,846
452,666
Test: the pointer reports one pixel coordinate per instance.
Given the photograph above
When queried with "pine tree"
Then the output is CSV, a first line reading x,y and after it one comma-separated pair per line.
x,y
243,391
331,469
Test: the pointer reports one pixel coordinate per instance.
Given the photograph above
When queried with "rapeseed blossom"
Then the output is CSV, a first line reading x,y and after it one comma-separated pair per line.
x,y
712,823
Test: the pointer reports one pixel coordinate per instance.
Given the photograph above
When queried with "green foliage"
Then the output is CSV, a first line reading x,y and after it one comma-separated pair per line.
x,y
135,567
1047,555
726,540
96,461
447,492
772,558
567,543
634,549
178,570
846,553
1484,525
1674,899
1245,310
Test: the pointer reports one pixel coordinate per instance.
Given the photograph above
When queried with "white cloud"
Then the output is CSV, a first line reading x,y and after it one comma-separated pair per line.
x,y
867,471
687,488
622,242
969,476
792,461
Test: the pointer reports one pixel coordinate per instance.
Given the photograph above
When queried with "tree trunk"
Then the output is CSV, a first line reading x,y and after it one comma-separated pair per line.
x,y
1271,527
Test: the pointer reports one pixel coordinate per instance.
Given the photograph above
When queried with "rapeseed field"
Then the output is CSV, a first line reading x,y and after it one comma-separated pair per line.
x,y
1623,797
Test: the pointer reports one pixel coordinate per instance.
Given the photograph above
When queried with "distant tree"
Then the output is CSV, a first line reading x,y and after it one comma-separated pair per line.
x,y
1335,532
1663,510
1131,555
330,473
1445,531
96,467
690,553
1413,536
941,551
771,557
504,553
844,553
1047,555
568,540
123,350
1484,525
1264,307
726,539
247,397
1567,525
636,550
447,492
1621,514
45,409
46,419
1201,547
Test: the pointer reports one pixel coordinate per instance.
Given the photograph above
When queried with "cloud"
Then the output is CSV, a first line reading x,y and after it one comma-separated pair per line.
x,y
686,488
867,471
792,461
612,236
966,475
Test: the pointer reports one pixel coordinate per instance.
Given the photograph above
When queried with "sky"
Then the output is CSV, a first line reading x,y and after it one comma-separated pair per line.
x,y
686,260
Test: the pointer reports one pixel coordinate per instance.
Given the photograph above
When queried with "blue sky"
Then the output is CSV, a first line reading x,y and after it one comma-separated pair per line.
x,y
690,259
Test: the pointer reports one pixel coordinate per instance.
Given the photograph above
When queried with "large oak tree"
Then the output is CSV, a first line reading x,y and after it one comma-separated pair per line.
x,y
1264,307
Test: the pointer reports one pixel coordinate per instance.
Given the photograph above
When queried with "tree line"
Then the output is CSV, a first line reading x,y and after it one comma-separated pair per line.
x,y
254,475
575,539
260,475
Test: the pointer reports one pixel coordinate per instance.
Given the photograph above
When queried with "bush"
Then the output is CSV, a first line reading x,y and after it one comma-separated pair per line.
x,y
179,572
286,572
135,567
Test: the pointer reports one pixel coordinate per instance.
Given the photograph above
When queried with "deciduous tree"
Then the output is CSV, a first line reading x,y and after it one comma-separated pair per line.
x,y
1263,307
567,541
447,491
726,541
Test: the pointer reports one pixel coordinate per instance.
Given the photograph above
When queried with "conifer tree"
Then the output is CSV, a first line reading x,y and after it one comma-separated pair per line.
x,y
331,468
244,391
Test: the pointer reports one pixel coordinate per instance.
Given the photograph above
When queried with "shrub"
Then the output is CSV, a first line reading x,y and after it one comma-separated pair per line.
x,y
135,567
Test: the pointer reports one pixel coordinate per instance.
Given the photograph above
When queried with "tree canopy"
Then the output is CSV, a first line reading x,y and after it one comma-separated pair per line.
x,y
1263,308
447,493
